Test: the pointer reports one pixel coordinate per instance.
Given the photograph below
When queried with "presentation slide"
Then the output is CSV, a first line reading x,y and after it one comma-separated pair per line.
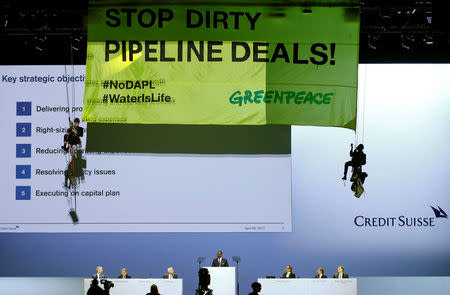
x,y
121,192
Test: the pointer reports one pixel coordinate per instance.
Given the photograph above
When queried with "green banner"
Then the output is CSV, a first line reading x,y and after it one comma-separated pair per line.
x,y
222,65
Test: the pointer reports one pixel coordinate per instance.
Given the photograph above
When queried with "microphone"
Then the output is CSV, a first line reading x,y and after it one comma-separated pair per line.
x,y
237,259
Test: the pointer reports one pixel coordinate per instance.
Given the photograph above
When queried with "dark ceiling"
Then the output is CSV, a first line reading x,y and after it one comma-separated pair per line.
x,y
394,31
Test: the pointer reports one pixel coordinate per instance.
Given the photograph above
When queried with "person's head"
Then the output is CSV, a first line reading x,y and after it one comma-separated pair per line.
x,y
340,269
204,279
256,287
289,268
154,289
123,271
76,122
99,269
170,270
360,147
94,283
320,271
219,254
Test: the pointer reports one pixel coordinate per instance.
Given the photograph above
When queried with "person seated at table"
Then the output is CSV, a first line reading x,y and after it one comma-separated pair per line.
x,y
256,287
288,274
340,273
99,275
320,274
124,274
153,290
170,274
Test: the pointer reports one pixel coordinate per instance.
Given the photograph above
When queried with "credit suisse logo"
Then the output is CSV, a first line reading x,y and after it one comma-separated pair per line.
x,y
402,220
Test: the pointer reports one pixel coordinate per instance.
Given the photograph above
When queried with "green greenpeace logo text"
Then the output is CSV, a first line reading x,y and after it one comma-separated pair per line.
x,y
280,97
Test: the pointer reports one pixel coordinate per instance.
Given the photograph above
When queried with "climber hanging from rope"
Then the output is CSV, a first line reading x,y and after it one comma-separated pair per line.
x,y
358,176
73,134
358,159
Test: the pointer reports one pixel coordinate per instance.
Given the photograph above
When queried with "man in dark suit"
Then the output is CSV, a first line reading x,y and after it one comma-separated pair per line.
x,y
170,274
124,274
340,273
288,274
320,274
219,261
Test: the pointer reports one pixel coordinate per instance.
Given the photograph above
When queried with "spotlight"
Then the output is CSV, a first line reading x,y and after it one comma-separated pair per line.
x,y
407,42
405,46
372,41
39,43
428,40
428,16
76,43
5,21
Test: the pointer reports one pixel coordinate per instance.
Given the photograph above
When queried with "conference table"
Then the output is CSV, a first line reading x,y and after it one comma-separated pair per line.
x,y
223,282
308,286
142,286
